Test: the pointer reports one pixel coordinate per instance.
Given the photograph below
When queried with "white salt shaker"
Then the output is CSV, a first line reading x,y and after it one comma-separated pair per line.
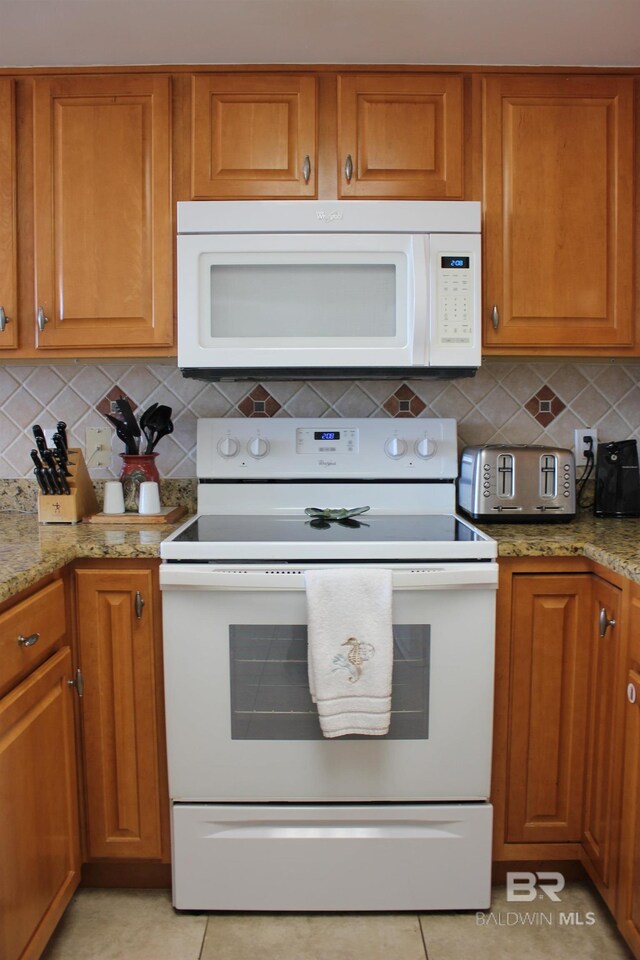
x,y
149,502
113,497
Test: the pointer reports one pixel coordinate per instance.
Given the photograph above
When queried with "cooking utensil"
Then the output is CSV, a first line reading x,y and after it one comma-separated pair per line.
x,y
123,434
39,473
144,421
132,426
158,425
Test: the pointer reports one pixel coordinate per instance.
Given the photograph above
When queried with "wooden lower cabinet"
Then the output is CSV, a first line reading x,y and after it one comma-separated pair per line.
x,y
566,772
39,834
604,745
125,787
628,907
549,677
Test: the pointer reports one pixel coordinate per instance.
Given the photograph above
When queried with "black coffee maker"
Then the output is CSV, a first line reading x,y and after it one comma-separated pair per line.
x,y
617,480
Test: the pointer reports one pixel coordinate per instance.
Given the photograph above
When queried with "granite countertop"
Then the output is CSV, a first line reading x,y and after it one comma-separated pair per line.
x,y
613,543
29,550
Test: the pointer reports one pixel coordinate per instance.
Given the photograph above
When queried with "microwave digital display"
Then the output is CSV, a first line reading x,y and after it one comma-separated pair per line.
x,y
454,263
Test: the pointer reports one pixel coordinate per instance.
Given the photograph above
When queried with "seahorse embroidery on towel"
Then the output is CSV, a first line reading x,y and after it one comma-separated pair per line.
x,y
359,652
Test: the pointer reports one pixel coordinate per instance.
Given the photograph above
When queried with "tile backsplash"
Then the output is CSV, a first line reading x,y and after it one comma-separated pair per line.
x,y
506,402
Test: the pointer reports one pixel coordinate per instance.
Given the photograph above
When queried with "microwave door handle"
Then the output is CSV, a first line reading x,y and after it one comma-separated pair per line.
x,y
418,299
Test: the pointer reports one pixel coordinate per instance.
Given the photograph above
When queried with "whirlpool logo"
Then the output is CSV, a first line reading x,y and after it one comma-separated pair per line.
x,y
328,217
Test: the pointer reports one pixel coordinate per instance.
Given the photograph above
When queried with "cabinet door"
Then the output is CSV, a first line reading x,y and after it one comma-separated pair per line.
x,y
8,242
601,815
547,707
628,911
103,218
558,232
254,135
119,655
400,136
39,841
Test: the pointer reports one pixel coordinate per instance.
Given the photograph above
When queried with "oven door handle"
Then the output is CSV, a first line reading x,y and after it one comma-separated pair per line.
x,y
197,576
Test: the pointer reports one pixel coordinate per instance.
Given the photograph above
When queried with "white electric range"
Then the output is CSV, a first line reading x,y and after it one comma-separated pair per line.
x,y
266,813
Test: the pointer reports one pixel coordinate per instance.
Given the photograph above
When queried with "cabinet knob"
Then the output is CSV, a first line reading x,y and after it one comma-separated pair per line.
x,y
306,169
139,604
4,320
78,683
632,693
41,320
348,168
604,622
28,641
495,317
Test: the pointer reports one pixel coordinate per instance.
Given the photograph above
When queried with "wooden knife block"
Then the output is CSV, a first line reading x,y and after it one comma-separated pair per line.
x,y
63,508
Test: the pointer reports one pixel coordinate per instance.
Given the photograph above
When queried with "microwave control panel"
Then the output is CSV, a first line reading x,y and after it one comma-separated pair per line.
x,y
455,299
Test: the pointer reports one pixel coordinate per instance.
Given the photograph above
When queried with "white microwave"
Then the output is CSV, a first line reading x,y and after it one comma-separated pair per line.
x,y
276,289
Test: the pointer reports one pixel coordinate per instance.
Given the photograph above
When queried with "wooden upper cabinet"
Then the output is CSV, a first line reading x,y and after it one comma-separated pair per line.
x,y
8,241
558,231
400,136
254,135
102,212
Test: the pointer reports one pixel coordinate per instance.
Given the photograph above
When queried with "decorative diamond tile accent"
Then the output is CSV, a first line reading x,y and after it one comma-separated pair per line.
x,y
404,403
544,406
104,407
259,403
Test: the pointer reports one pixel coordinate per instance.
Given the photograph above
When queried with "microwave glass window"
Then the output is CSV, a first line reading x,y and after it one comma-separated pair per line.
x,y
270,697
303,300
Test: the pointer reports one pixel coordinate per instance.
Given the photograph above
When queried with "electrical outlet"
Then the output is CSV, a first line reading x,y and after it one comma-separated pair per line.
x,y
581,447
97,447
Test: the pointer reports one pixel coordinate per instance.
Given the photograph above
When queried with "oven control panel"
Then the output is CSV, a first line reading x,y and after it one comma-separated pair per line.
x,y
363,448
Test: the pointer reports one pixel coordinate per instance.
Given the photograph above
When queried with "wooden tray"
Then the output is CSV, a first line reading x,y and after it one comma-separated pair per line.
x,y
166,515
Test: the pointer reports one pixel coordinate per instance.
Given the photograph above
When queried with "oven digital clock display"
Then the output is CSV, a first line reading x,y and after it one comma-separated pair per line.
x,y
325,442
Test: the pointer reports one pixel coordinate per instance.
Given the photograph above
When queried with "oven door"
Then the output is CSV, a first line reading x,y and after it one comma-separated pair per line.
x,y
241,725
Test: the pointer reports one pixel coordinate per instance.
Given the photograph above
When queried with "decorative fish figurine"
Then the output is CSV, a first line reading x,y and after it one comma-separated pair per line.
x,y
331,513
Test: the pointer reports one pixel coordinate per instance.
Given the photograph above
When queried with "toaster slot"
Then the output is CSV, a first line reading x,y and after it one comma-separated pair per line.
x,y
505,475
548,476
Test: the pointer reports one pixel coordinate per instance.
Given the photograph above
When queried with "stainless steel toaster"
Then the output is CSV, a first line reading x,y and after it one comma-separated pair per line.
x,y
512,484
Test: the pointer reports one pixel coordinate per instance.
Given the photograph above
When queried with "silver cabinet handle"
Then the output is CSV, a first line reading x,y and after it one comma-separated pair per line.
x,y
41,319
495,316
348,168
306,169
28,641
604,622
632,693
4,320
139,604
78,683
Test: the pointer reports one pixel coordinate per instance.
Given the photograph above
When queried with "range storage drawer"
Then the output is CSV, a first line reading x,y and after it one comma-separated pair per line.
x,y
29,632
332,857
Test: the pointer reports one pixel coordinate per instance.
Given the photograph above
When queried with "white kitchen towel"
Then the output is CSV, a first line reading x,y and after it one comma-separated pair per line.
x,y
350,648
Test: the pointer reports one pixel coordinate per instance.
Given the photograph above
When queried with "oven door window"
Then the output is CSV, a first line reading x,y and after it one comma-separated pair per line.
x,y
269,686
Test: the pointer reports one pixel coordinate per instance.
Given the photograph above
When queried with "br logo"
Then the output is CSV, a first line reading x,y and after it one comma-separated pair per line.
x,y
524,886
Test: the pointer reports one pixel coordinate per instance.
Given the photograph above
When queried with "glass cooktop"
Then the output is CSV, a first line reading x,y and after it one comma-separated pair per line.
x,y
363,529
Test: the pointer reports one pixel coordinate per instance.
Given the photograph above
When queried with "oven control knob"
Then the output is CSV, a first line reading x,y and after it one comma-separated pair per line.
x,y
395,448
425,448
258,447
228,447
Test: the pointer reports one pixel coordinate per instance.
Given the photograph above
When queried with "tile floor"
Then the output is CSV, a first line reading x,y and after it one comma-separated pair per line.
x,y
142,925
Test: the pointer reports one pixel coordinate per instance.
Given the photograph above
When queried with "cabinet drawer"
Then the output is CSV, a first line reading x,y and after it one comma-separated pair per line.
x,y
30,630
